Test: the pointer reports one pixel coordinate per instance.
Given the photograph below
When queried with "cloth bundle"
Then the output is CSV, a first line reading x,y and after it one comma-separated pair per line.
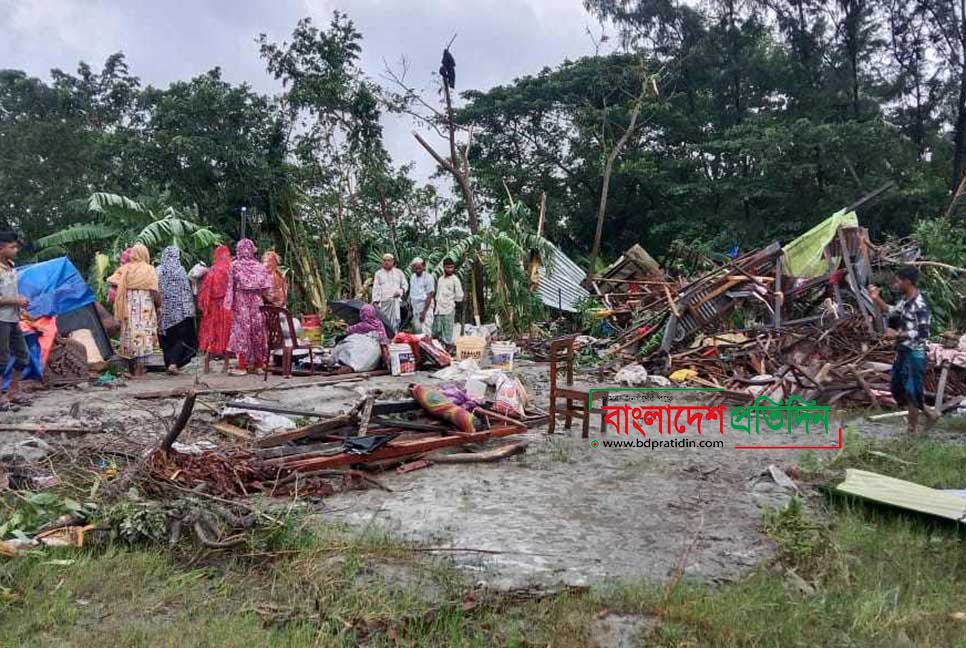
x,y
439,406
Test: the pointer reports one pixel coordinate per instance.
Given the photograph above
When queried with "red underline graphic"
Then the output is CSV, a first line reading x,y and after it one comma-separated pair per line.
x,y
793,447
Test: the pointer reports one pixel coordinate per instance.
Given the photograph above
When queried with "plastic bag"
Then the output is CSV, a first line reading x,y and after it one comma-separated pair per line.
x,y
511,396
360,352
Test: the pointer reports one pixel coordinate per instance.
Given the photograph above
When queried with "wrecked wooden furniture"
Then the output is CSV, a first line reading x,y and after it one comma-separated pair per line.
x,y
278,343
575,399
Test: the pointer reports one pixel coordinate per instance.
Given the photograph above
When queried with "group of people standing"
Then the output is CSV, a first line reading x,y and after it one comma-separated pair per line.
x,y
433,301
155,307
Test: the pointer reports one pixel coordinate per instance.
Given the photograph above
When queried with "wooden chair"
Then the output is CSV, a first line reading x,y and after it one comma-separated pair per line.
x,y
575,398
278,342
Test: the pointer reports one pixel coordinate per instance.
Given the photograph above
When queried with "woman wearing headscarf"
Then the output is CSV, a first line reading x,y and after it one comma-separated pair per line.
x,y
136,308
178,338
249,286
279,286
112,291
215,318
369,322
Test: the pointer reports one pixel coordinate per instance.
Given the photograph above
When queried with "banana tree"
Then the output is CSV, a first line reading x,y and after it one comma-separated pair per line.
x,y
504,248
293,208
120,221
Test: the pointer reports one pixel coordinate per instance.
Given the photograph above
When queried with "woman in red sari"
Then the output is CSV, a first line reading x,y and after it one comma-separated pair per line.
x,y
215,318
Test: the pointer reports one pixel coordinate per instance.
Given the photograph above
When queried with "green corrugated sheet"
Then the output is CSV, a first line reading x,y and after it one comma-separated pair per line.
x,y
904,494
803,256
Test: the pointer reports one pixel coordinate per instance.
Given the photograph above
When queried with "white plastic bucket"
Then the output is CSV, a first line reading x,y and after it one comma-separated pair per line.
x,y
502,354
402,361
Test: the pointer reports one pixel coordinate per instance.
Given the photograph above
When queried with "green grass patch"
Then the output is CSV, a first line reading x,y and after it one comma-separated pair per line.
x,y
846,573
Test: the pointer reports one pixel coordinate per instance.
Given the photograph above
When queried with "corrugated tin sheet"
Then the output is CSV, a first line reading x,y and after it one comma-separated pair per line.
x,y
560,288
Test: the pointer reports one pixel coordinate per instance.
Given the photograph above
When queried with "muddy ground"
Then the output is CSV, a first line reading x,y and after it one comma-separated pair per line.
x,y
563,512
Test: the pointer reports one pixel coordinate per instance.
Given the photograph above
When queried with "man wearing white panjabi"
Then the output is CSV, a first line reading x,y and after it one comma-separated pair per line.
x,y
422,289
388,287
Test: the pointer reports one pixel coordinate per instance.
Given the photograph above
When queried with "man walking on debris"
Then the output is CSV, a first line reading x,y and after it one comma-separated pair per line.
x,y
422,288
388,286
909,323
449,291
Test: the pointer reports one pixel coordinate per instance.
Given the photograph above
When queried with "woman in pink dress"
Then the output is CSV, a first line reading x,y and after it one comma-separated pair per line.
x,y
249,286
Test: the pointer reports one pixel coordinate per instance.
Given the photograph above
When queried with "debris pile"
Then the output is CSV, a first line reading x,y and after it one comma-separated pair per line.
x,y
774,321
320,457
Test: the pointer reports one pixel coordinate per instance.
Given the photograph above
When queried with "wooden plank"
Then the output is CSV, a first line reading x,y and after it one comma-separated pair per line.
x,y
410,425
286,451
300,433
836,289
903,494
277,409
380,408
670,302
233,432
779,296
486,456
941,388
488,414
401,448
853,281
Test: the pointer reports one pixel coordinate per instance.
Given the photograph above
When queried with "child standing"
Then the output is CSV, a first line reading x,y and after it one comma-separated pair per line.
x,y
11,302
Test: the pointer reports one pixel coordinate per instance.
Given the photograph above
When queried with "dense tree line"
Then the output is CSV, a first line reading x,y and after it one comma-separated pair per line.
x,y
757,118
767,116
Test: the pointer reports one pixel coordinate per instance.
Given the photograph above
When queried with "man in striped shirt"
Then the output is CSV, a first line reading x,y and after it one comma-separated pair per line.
x,y
909,322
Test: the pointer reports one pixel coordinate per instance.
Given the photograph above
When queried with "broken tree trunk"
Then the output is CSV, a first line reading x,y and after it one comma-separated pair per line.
x,y
608,170
181,422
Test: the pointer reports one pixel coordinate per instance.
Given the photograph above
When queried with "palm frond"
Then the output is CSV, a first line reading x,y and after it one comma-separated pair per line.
x,y
115,204
83,233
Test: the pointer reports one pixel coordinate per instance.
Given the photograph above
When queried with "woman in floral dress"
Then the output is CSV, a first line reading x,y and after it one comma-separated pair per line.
x,y
249,286
136,308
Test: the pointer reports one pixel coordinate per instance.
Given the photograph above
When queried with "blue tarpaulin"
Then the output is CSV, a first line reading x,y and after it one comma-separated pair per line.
x,y
34,369
53,287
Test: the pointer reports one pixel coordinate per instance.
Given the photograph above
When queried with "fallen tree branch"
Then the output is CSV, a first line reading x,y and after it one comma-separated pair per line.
x,y
181,422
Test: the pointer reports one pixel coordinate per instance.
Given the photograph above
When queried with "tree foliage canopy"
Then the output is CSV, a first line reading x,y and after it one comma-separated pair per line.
x,y
765,116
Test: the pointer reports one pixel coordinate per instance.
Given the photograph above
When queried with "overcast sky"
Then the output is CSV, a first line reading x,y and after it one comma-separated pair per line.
x,y
167,40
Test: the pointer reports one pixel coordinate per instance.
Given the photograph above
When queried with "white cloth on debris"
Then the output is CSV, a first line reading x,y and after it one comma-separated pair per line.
x,y
632,375
468,369
263,421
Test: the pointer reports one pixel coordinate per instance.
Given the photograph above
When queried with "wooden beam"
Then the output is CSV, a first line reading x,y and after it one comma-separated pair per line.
x,y
941,387
233,432
300,433
853,281
402,448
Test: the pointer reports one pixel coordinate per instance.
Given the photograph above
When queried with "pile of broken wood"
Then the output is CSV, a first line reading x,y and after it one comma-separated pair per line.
x,y
371,434
750,328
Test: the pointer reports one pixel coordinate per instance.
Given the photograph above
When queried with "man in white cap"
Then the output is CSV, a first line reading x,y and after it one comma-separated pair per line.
x,y
388,287
422,288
